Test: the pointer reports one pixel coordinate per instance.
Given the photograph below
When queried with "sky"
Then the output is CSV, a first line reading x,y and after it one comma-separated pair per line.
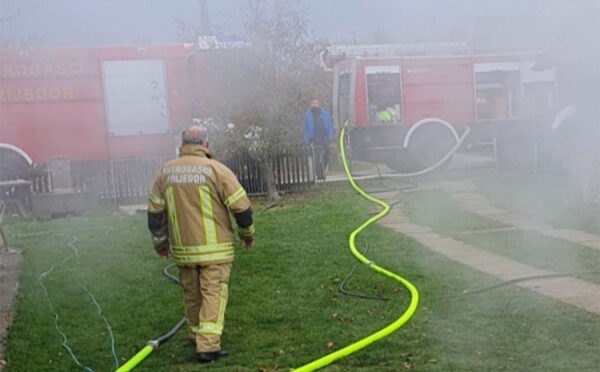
x,y
105,22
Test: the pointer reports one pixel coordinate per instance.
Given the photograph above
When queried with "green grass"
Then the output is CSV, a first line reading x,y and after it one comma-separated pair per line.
x,y
284,305
547,198
438,211
540,251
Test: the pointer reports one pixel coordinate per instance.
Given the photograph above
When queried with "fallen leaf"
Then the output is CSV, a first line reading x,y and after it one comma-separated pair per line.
x,y
3,362
407,365
262,369
279,352
329,345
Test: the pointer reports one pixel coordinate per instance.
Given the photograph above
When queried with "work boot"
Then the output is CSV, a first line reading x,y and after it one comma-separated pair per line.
x,y
211,356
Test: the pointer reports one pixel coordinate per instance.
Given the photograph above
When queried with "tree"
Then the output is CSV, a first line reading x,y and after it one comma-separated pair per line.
x,y
255,96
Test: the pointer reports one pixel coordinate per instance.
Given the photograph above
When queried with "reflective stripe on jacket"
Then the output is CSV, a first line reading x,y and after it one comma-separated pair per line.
x,y
198,193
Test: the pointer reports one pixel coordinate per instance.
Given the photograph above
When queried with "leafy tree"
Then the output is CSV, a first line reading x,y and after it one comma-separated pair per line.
x,y
255,95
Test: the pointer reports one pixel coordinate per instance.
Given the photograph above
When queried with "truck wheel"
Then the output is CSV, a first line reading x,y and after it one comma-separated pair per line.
x,y
428,143
14,163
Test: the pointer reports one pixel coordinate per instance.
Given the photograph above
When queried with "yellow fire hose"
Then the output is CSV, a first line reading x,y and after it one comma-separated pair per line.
x,y
136,359
412,307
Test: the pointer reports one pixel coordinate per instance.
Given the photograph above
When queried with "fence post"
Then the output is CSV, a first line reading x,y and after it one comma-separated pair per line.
x,y
312,164
113,181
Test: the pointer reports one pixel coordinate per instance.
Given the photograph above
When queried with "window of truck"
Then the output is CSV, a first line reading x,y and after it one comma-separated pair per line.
x,y
384,94
136,97
497,90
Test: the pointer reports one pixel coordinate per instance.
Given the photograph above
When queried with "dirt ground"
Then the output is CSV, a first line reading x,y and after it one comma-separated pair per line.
x,y
9,272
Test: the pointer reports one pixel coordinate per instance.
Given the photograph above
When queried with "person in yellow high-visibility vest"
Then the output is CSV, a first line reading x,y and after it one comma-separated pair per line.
x,y
386,114
189,217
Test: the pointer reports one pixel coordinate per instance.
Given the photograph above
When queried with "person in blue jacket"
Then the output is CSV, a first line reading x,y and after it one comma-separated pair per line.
x,y
318,130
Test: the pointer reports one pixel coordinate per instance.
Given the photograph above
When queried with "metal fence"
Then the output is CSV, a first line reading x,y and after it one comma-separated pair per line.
x,y
292,167
128,181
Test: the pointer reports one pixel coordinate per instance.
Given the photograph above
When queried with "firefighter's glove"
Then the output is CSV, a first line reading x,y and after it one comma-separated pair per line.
x,y
161,245
248,244
246,234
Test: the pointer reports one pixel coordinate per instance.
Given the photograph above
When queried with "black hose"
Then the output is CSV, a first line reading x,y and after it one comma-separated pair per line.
x,y
266,208
353,294
170,334
163,338
341,288
526,278
168,275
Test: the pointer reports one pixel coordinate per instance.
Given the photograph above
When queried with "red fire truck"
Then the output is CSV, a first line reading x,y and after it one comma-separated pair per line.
x,y
408,111
408,106
91,104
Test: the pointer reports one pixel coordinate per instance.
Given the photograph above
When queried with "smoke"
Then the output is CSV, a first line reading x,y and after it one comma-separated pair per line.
x,y
110,72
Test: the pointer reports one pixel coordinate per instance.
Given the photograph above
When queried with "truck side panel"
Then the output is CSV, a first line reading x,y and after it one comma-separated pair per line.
x,y
442,89
52,102
47,129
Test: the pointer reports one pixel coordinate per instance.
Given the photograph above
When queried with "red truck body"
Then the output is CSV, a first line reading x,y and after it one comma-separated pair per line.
x,y
415,107
445,87
74,102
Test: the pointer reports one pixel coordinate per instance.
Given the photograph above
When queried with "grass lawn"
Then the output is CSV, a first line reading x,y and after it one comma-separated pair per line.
x,y
438,211
548,198
284,308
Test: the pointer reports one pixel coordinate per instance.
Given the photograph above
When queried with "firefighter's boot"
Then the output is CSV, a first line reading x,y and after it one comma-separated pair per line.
x,y
211,357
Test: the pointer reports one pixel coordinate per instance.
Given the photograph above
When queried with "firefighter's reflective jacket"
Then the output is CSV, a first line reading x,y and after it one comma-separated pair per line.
x,y
196,193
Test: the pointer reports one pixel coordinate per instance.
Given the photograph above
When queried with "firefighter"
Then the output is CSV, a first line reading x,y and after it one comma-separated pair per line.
x,y
189,217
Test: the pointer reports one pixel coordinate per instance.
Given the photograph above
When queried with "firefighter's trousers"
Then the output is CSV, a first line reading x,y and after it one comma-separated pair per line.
x,y
205,292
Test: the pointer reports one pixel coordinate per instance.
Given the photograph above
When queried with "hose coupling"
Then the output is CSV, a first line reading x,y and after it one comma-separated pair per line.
x,y
154,344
